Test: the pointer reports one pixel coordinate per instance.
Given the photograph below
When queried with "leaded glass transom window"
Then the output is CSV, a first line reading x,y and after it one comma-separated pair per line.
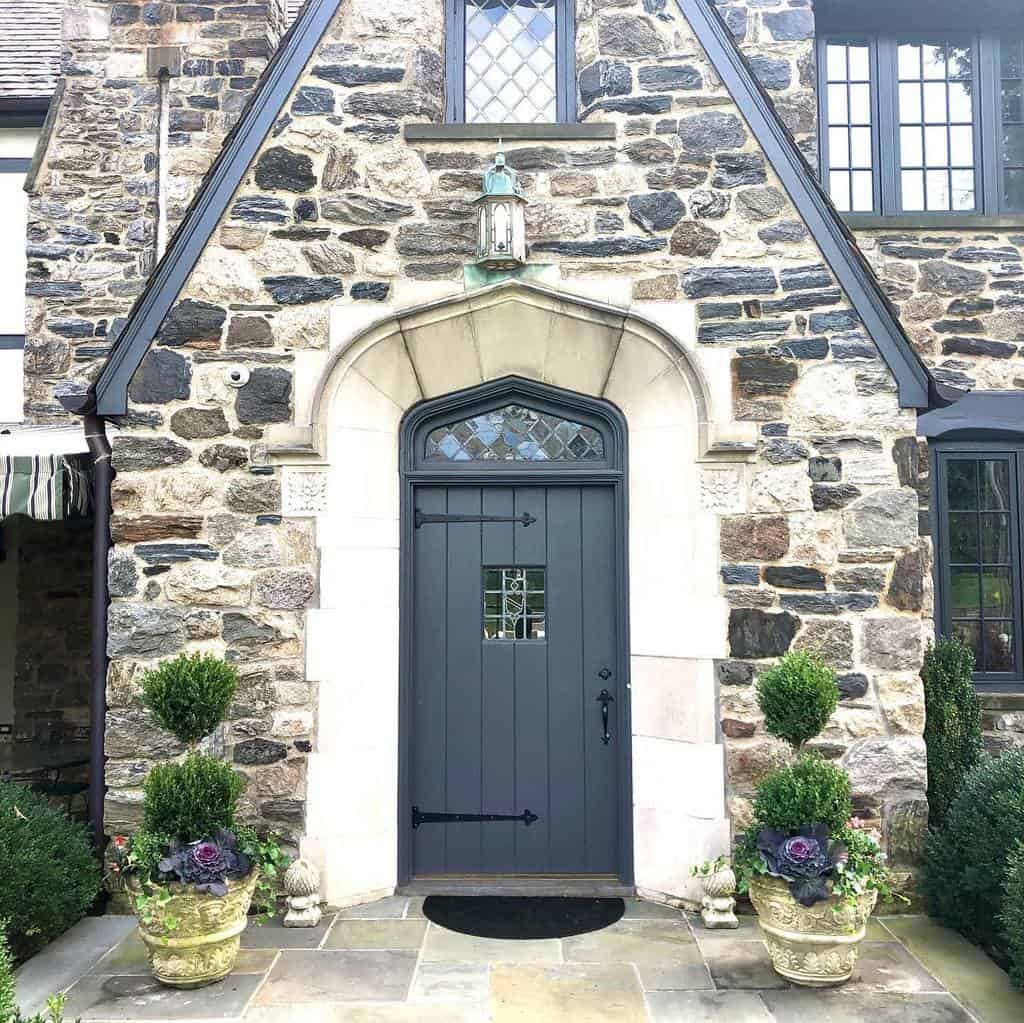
x,y
515,433
514,603
511,59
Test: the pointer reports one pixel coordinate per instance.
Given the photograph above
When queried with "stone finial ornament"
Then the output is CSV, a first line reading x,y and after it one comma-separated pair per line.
x,y
717,908
302,887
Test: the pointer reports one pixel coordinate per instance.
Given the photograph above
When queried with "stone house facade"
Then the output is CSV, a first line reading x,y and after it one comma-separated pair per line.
x,y
317,301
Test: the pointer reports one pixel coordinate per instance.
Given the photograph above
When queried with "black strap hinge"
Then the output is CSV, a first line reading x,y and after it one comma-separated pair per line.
x,y
420,817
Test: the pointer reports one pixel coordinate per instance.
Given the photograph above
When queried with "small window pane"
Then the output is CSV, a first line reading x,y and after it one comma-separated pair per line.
x,y
997,593
910,103
961,61
860,64
514,603
995,485
839,188
934,62
937,190
835,63
911,150
860,148
963,538
860,104
910,61
838,111
962,484
998,645
839,147
961,102
961,142
1012,58
515,434
995,538
964,198
965,592
1013,101
934,103
913,190
1013,144
863,190
1013,189
936,152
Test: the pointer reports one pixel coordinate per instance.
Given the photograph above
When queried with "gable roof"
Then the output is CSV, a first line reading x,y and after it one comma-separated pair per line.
x,y
30,44
109,394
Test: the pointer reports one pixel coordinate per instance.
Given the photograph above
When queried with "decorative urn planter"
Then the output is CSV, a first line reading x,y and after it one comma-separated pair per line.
x,y
816,946
192,938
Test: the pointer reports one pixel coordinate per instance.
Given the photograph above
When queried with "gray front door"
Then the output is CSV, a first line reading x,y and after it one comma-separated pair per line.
x,y
514,666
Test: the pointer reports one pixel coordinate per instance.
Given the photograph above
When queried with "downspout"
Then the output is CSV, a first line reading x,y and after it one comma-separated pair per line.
x,y
99,448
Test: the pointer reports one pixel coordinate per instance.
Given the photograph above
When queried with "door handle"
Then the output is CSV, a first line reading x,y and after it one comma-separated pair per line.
x,y
604,699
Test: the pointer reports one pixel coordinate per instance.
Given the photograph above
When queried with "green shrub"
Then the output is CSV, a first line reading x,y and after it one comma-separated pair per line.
x,y
192,799
8,1006
190,695
952,730
48,874
809,791
1013,914
966,861
797,697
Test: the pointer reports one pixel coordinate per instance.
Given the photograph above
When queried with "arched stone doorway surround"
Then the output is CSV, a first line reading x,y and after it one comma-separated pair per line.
x,y
685,467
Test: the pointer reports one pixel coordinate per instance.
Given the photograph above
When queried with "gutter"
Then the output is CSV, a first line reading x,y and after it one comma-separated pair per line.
x,y
103,474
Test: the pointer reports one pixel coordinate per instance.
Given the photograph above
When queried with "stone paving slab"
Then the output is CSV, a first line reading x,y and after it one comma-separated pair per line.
x,y
385,963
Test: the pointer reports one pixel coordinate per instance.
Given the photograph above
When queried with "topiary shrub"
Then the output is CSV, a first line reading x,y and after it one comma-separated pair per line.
x,y
966,861
797,697
809,791
190,695
952,730
48,874
190,800
1013,914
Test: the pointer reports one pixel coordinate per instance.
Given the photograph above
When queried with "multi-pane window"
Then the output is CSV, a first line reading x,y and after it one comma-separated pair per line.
x,y
511,61
850,119
923,123
1011,102
978,552
514,603
935,113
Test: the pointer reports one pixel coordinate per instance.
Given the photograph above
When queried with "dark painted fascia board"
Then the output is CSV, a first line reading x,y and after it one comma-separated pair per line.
x,y
979,413
837,244
209,205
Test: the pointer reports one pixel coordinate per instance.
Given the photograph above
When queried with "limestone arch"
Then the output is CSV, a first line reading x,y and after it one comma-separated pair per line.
x,y
677,615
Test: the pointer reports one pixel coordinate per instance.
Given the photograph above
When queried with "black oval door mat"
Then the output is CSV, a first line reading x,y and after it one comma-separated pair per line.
x,y
491,916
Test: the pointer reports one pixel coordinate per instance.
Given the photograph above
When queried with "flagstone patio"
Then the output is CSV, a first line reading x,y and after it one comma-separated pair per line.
x,y
386,962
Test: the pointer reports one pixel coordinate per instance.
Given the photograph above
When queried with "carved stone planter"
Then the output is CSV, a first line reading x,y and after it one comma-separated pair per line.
x,y
816,946
202,945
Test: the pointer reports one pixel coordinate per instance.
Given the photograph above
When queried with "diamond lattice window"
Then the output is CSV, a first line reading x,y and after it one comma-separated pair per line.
x,y
511,57
515,434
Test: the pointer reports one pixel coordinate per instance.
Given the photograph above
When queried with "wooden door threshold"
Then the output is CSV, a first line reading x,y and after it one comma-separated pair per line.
x,y
597,886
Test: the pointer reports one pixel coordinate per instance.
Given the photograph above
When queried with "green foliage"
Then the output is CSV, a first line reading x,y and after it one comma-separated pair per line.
x,y
809,791
8,1006
864,870
192,799
1013,914
48,874
952,730
797,697
190,695
270,860
966,860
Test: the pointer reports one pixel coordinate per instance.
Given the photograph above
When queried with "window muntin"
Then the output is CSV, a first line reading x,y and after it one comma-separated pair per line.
x,y
514,603
1011,104
511,56
850,109
978,544
936,117
514,433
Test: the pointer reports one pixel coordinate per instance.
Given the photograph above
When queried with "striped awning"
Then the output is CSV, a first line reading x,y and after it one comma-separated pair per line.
x,y
46,487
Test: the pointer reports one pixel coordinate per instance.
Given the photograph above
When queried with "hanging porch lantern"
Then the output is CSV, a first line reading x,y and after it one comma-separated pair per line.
x,y
502,244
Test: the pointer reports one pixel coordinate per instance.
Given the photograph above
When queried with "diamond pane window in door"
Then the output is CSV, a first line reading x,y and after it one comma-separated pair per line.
x,y
515,434
514,603
511,54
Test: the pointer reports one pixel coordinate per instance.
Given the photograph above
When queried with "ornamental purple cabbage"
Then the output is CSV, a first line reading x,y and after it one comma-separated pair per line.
x,y
208,864
804,859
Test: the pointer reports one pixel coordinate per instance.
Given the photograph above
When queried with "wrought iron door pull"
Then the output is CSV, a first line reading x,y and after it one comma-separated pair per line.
x,y
420,817
604,699
422,518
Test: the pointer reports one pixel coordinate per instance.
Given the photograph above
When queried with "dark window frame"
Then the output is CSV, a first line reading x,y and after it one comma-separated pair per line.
x,y
987,120
941,454
455,62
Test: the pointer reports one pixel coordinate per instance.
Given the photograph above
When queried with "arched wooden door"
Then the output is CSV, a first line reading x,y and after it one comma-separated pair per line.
x,y
516,721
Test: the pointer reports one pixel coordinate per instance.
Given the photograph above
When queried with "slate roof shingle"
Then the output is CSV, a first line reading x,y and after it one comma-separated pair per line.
x,y
29,49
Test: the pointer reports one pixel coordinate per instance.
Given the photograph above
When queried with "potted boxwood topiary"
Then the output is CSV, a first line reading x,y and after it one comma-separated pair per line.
x,y
190,870
812,872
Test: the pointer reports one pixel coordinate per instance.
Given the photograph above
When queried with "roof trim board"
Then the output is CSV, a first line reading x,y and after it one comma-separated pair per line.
x,y
109,395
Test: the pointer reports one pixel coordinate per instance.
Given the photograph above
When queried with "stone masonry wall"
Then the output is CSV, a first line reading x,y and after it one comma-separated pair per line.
x,y
93,219
678,208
